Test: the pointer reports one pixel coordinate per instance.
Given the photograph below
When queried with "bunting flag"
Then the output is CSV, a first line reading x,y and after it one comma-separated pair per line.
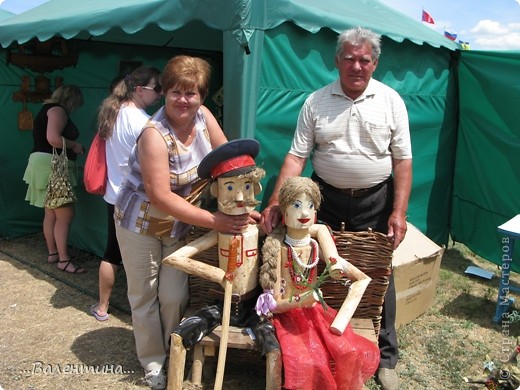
x,y
426,17
450,34
464,45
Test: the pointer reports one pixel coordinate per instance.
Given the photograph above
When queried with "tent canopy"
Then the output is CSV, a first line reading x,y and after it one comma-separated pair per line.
x,y
233,27
5,14
152,22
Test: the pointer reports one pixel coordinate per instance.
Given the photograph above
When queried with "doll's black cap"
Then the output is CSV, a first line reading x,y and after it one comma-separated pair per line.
x,y
230,159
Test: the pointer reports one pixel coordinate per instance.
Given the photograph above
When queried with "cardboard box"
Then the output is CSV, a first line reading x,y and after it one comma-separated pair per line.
x,y
416,265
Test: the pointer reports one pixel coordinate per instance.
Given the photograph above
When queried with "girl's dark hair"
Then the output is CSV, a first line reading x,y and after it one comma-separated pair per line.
x,y
123,90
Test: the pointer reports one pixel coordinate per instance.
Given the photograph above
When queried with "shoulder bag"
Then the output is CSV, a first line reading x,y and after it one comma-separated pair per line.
x,y
95,174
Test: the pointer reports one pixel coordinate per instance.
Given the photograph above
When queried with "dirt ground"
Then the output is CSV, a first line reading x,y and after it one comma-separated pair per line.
x,y
48,333
48,339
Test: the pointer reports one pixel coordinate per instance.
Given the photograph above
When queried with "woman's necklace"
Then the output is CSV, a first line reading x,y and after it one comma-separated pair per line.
x,y
185,134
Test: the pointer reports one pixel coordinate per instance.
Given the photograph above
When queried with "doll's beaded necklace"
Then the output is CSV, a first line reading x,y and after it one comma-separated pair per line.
x,y
303,275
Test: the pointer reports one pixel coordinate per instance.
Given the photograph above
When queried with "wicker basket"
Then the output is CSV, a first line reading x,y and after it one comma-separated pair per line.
x,y
198,287
371,252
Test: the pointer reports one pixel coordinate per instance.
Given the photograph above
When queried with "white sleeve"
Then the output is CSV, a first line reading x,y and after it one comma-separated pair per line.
x,y
303,140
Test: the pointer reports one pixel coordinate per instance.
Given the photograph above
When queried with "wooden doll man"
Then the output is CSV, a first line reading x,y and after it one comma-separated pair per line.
x,y
235,183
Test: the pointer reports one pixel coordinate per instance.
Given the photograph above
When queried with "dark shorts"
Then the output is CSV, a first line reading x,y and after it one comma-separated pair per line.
x,y
112,252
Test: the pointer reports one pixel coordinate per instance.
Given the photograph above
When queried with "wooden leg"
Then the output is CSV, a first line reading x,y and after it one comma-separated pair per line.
x,y
198,363
177,362
273,370
224,335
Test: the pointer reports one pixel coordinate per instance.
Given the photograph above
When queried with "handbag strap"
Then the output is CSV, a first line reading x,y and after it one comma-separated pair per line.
x,y
63,148
63,155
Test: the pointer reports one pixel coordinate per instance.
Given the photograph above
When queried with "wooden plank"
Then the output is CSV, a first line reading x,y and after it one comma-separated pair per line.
x,y
240,339
364,327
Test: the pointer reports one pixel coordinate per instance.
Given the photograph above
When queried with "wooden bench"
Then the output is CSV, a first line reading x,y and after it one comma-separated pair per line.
x,y
239,338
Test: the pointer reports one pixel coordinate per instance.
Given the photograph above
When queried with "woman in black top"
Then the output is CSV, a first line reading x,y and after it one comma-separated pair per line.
x,y
51,127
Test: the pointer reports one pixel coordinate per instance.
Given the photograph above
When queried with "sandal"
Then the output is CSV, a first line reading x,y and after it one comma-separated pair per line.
x,y
77,269
95,313
52,255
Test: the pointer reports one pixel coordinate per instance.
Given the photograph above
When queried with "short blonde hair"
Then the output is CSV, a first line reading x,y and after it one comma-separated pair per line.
x,y
187,72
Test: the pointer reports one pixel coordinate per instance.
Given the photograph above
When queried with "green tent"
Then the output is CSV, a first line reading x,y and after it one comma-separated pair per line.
x,y
268,56
4,14
487,170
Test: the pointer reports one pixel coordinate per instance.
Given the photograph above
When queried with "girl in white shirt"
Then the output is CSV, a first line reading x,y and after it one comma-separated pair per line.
x,y
121,118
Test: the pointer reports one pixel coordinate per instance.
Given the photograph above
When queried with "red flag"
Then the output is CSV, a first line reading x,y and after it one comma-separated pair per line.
x,y
426,17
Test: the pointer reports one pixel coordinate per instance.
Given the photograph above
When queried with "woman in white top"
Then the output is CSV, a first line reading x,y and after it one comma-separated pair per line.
x,y
121,118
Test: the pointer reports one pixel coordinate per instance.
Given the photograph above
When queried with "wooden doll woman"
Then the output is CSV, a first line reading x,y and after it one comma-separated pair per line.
x,y
319,349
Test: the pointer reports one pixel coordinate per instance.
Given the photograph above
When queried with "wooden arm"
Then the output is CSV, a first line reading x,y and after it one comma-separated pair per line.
x,y
328,248
180,259
349,306
342,268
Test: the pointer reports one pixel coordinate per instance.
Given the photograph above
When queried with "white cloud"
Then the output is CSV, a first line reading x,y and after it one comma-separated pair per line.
x,y
509,42
493,35
487,26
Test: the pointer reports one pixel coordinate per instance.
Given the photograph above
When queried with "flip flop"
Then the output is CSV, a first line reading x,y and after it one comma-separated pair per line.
x,y
93,311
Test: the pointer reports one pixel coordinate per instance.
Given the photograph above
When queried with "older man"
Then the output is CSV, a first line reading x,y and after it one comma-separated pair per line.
x,y
357,131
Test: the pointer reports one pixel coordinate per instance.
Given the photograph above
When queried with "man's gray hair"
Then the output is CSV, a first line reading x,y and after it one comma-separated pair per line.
x,y
360,36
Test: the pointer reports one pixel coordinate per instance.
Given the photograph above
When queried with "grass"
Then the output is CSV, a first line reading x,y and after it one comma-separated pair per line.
x,y
456,336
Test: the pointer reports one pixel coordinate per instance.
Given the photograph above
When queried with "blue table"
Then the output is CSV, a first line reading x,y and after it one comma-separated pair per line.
x,y
511,231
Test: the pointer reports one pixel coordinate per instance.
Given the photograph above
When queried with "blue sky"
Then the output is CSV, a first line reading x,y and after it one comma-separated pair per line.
x,y
485,24
19,6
